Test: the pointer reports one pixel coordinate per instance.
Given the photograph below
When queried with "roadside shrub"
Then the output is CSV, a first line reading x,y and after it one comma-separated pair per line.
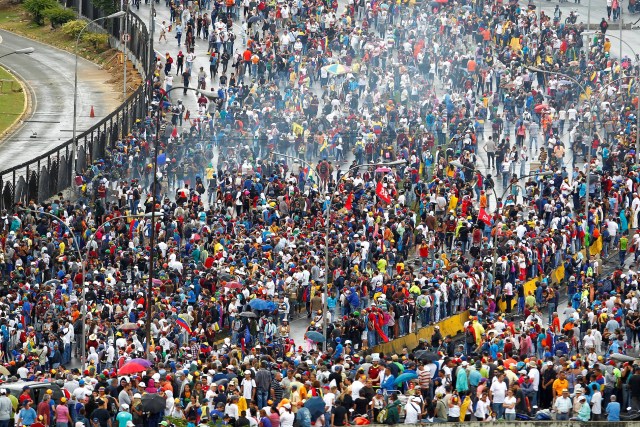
x,y
37,7
96,39
73,28
59,16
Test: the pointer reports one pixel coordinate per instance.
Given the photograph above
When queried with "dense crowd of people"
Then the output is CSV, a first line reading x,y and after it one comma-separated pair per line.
x,y
374,167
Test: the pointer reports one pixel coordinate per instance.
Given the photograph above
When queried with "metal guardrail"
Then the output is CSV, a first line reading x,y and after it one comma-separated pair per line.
x,y
50,173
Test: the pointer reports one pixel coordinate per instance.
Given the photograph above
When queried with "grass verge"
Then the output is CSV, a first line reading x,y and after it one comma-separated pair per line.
x,y
12,101
15,19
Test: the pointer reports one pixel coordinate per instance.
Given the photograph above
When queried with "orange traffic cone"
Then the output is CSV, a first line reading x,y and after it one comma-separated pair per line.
x,y
92,114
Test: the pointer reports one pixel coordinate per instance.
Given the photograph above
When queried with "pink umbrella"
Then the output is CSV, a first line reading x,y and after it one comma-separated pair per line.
x,y
383,169
131,368
233,285
157,282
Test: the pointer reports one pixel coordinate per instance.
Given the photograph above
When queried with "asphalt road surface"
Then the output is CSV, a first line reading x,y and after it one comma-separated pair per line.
x,y
49,74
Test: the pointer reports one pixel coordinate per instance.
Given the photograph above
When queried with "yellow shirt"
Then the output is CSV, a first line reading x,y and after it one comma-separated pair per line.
x,y
559,385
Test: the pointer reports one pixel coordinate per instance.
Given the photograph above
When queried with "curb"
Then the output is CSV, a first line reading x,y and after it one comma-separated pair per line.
x,y
27,109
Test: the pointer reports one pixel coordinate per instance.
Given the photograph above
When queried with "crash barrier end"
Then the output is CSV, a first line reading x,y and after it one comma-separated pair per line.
x,y
452,326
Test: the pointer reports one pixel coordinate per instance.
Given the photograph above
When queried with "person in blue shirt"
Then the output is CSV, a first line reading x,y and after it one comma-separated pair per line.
x,y
339,349
389,381
613,409
27,415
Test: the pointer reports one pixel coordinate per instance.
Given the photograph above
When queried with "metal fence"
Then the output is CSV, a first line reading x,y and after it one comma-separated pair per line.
x,y
50,173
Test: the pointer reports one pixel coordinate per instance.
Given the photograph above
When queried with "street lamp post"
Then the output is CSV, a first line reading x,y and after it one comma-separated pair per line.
x,y
328,228
592,124
637,82
461,165
83,260
154,193
501,204
74,147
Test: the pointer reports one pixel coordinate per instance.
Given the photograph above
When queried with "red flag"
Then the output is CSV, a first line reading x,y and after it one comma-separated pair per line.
x,y
174,132
349,203
382,193
484,216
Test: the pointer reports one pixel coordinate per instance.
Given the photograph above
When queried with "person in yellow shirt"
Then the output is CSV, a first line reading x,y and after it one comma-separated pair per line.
x,y
560,383
606,45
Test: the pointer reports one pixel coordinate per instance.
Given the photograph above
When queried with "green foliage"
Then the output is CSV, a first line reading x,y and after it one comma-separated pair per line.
x,y
73,28
59,16
106,6
96,39
177,421
37,7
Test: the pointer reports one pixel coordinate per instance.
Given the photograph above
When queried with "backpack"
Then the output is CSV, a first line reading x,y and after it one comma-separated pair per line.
x,y
382,416
469,337
323,168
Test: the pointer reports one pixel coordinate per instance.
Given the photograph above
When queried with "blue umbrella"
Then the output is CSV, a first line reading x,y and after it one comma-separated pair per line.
x,y
315,405
260,304
405,377
315,336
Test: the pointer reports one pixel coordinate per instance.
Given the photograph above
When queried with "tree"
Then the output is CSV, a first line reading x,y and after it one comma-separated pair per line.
x,y
37,7
59,15
106,6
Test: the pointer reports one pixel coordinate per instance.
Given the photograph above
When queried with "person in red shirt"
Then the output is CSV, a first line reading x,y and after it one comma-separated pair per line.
x,y
374,373
39,422
26,395
44,410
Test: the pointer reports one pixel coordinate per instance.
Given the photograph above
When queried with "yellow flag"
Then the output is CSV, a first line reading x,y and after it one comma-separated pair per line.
x,y
325,144
297,129
453,203
515,44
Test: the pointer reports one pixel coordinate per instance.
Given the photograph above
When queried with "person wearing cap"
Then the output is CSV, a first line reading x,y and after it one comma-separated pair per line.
x,y
584,414
563,406
27,415
136,410
61,413
248,386
124,417
413,410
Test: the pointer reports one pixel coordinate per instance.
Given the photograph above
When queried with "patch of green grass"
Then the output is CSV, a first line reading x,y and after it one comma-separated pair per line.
x,y
17,20
12,99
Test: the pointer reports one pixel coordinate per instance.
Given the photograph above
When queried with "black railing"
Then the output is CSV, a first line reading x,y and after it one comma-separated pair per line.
x,y
50,173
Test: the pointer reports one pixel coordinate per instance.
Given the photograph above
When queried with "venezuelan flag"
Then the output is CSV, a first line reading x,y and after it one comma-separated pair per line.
x,y
183,324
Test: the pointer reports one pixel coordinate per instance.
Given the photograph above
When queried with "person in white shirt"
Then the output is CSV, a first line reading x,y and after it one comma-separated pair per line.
x,y
356,386
498,392
329,400
248,385
509,406
413,410
596,405
483,407
286,416
563,406
81,392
